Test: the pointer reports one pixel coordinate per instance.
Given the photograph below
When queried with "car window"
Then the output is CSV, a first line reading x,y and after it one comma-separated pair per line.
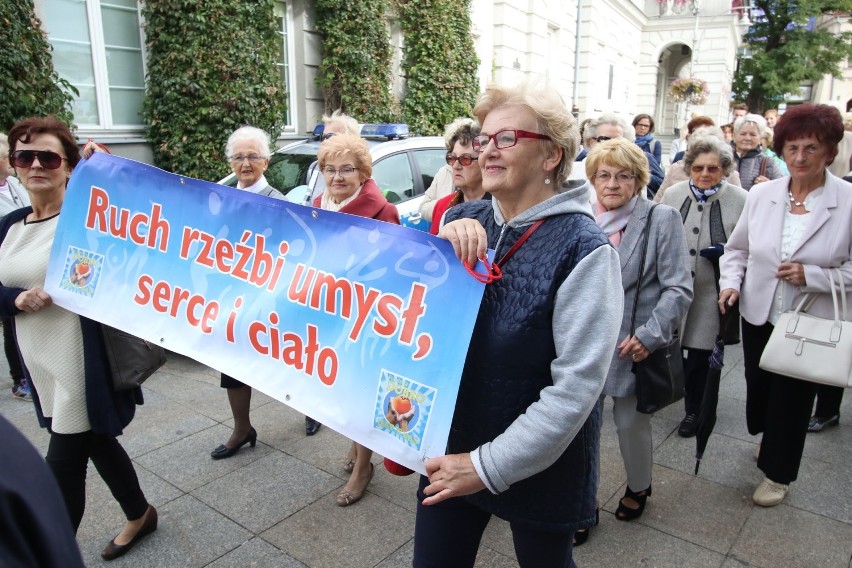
x,y
287,171
393,176
428,161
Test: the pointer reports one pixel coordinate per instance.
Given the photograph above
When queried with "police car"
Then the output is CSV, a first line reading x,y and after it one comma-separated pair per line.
x,y
403,168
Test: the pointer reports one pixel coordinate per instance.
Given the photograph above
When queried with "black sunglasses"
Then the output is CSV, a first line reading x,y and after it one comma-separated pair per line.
x,y
25,158
325,137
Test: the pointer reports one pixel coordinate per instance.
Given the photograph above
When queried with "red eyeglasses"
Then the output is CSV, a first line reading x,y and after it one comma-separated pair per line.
x,y
25,158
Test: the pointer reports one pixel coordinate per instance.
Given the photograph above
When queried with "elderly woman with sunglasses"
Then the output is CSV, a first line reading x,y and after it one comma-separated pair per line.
x,y
525,436
346,165
467,177
710,207
62,352
619,171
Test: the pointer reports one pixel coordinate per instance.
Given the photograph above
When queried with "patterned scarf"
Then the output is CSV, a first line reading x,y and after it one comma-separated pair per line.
x,y
613,222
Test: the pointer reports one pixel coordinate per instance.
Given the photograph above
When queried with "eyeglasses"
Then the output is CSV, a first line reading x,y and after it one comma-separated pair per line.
x,y
25,158
464,159
505,139
327,135
344,171
621,177
710,169
238,159
603,138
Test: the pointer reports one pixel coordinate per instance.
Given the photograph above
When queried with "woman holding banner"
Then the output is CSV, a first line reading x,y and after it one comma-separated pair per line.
x,y
63,353
346,166
525,437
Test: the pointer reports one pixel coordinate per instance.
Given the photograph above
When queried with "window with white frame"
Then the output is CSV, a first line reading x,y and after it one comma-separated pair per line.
x,y
97,47
282,23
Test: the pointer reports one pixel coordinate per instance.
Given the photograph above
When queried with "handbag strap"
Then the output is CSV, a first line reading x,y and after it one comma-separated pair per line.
x,y
641,270
809,299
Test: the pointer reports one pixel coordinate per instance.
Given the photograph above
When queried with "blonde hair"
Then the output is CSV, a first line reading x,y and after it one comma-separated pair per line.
x,y
550,112
619,153
347,146
346,122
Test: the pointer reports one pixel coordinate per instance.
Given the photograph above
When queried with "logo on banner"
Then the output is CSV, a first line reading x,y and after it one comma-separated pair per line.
x,y
82,269
403,407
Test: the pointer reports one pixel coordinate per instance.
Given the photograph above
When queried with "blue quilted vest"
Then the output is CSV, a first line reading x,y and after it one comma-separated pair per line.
x,y
508,364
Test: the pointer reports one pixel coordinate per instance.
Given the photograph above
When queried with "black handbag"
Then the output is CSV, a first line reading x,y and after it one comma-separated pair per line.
x,y
659,378
131,359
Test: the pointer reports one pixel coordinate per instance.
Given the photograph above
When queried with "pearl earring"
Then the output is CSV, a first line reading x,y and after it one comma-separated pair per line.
x,y
547,181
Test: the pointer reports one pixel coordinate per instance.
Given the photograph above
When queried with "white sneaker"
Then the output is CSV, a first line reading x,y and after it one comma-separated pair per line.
x,y
769,493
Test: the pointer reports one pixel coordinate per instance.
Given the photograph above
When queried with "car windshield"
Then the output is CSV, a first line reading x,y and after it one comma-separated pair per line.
x,y
290,169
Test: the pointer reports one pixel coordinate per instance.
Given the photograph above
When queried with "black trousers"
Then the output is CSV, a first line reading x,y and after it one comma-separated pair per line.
x,y
68,457
447,535
828,401
696,364
777,406
15,368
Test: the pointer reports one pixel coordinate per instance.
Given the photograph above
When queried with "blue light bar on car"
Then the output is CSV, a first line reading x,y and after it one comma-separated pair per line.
x,y
389,131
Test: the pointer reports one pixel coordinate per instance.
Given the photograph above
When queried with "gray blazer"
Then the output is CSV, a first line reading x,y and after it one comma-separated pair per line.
x,y
666,287
702,321
270,191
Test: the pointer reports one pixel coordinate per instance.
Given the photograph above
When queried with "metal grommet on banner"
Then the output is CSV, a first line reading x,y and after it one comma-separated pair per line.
x,y
314,214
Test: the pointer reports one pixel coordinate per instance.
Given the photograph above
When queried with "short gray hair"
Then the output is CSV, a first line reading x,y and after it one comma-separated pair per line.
x,y
346,122
755,119
627,130
707,143
252,134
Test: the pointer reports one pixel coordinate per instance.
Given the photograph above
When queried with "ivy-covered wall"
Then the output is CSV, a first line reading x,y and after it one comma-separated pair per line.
x,y
355,72
211,69
439,63
29,85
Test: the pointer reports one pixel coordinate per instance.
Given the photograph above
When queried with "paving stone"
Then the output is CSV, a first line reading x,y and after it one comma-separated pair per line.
x,y
324,535
256,553
187,464
266,491
789,537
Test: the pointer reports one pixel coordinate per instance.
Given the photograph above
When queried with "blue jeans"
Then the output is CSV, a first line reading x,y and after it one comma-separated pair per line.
x,y
447,535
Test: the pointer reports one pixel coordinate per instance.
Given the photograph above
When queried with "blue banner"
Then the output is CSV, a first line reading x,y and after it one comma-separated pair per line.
x,y
360,324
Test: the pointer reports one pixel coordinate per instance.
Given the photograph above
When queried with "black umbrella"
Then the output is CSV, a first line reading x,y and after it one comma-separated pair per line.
x,y
710,399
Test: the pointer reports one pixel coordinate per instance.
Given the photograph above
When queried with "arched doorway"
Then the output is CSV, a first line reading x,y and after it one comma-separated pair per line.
x,y
674,61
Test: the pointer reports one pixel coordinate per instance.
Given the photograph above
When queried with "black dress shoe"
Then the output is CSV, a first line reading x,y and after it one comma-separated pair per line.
x,y
688,426
311,426
113,551
224,451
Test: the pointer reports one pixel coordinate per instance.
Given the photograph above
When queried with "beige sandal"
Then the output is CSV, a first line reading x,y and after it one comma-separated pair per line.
x,y
348,464
347,497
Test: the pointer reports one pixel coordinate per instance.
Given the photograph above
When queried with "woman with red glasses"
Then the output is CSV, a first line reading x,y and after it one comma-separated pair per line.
x,y
464,164
525,436
62,352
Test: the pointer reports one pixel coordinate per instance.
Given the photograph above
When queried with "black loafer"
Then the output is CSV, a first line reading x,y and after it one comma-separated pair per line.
x,y
224,451
311,426
113,551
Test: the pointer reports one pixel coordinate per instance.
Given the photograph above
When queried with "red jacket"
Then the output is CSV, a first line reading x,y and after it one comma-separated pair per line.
x,y
370,203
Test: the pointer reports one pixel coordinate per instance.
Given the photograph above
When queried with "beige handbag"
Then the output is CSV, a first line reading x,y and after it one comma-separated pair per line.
x,y
812,348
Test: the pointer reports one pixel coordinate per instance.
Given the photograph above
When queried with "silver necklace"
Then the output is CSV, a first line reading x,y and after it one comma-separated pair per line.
x,y
794,202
